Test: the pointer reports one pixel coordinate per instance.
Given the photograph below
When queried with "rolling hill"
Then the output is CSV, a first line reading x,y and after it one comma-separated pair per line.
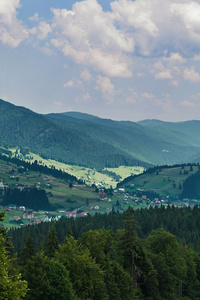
x,y
178,181
86,140
24,128
149,144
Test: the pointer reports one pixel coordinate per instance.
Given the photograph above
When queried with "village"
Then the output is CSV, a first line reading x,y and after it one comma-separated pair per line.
x,y
20,216
71,199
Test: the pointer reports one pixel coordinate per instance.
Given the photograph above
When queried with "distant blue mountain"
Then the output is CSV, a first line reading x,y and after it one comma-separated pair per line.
x,y
86,140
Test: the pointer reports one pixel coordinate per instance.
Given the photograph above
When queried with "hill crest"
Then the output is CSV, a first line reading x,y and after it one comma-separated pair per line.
x,y
87,140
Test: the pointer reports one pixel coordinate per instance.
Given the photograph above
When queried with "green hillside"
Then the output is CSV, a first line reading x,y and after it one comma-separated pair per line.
x,y
24,183
163,180
58,190
186,133
147,144
108,176
22,127
89,141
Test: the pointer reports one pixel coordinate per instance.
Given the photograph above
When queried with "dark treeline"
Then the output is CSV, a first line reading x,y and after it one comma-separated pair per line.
x,y
112,174
31,198
191,187
184,223
39,168
103,263
5,151
78,227
156,169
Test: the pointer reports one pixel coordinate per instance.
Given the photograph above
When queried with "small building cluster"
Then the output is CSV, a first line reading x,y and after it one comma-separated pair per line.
x,y
75,214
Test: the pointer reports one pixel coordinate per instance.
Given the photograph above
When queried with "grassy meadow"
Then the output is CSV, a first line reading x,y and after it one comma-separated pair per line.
x,y
165,181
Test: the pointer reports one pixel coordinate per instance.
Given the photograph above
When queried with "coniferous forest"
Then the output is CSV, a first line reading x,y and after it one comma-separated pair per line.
x,y
114,256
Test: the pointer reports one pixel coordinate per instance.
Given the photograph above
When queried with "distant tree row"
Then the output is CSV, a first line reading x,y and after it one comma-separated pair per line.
x,y
30,198
191,186
188,185
35,166
112,174
5,151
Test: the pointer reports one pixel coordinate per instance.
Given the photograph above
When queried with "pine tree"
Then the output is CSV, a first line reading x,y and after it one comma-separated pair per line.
x,y
11,284
51,242
86,276
167,259
129,246
28,250
47,279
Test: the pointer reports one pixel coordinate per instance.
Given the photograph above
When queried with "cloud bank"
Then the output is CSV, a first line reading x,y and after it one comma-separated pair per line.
x,y
109,41
12,30
133,53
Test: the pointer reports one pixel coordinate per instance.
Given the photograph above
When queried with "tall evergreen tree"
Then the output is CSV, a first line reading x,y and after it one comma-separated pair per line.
x,y
28,250
51,242
86,276
11,284
165,254
129,246
135,259
47,279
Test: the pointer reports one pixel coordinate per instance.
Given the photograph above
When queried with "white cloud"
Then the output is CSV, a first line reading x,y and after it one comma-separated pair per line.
x,y
189,13
164,104
147,95
89,36
157,26
86,75
175,58
197,57
169,67
70,83
174,82
34,18
43,30
105,86
132,98
188,103
12,31
191,75
8,10
159,66
150,39
137,14
46,50
84,98
105,41
164,75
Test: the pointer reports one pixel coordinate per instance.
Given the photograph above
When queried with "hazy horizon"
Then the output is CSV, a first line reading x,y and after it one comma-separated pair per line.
x,y
101,117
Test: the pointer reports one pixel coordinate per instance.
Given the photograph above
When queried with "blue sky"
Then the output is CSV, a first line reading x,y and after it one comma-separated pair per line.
x,y
123,60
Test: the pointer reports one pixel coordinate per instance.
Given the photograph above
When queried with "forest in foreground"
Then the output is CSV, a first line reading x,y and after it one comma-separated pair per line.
x,y
110,258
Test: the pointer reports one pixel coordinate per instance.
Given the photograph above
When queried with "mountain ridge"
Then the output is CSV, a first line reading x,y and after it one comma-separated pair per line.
x,y
87,140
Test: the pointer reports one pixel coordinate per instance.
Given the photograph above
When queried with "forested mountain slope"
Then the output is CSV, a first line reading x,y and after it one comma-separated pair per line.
x,y
186,133
22,127
147,144
86,140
